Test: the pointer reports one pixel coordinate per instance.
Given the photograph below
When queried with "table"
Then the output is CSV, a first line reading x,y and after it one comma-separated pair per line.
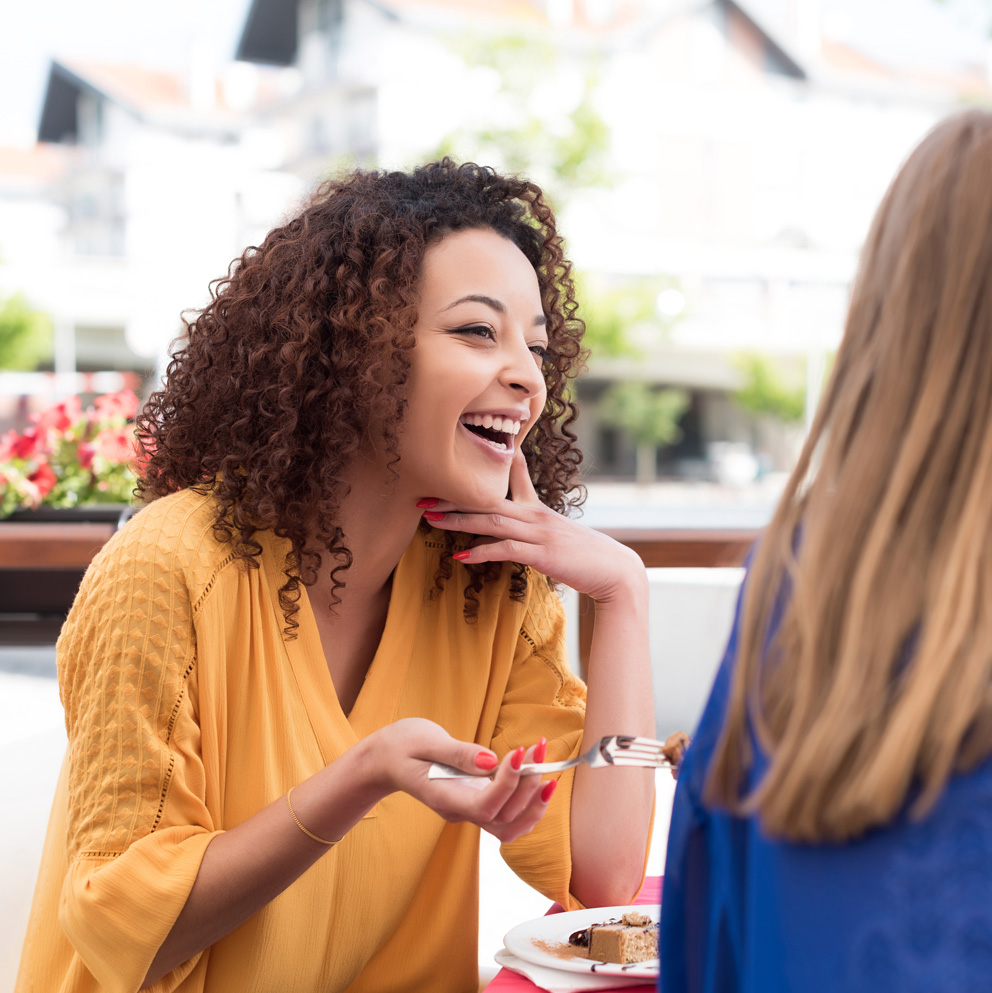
x,y
510,982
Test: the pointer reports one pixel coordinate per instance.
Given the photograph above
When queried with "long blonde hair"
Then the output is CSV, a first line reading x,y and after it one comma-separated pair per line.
x,y
877,684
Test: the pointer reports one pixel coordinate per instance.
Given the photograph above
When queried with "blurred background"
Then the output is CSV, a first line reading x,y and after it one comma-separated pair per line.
x,y
715,165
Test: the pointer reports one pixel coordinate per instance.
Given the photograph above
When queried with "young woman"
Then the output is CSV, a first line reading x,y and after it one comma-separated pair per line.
x,y
832,827
356,476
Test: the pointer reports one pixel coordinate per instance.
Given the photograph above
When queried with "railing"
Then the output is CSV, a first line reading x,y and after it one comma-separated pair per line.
x,y
41,566
707,548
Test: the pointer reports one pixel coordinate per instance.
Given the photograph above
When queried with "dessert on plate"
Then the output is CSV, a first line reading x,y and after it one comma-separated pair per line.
x,y
631,938
674,749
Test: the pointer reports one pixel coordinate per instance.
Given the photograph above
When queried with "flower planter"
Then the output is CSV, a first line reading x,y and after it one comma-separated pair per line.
x,y
93,513
43,555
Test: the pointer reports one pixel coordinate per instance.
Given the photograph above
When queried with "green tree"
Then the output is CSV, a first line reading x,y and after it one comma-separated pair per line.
x,y
772,389
564,151
25,335
612,313
649,415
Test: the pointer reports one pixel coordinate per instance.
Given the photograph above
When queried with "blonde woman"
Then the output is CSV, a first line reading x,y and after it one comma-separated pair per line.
x,y
832,827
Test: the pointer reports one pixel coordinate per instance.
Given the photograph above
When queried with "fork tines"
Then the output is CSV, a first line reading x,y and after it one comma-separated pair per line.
x,y
624,749
644,760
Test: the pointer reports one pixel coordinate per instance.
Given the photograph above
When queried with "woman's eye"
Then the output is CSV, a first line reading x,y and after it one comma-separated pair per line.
x,y
540,351
480,330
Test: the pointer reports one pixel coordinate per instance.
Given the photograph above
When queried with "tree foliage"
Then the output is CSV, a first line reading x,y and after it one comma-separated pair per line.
x,y
25,335
613,314
771,389
649,415
563,149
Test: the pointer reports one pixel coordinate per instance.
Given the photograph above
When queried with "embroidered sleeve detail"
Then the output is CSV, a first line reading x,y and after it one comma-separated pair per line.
x,y
542,638
126,655
209,584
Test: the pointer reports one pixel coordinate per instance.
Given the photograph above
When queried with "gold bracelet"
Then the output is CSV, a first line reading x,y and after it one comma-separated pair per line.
x,y
292,813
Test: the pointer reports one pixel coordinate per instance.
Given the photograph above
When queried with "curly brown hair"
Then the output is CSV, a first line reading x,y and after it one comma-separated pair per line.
x,y
306,342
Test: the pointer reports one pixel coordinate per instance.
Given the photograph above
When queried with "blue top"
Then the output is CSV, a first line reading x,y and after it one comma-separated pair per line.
x,y
907,908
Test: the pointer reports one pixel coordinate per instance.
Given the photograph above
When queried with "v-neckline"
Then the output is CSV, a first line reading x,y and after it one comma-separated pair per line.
x,y
378,699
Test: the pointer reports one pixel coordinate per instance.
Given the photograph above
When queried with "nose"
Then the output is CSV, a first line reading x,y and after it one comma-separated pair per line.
x,y
522,371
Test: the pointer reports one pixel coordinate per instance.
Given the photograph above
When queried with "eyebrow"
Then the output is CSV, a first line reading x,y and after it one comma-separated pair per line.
x,y
493,304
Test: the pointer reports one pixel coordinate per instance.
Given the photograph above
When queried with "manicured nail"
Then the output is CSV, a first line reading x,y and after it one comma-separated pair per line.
x,y
549,789
540,750
518,759
433,515
461,556
427,503
484,760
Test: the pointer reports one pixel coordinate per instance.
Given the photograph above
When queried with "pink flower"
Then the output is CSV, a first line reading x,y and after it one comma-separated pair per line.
x,y
61,417
114,445
20,446
121,404
86,452
44,479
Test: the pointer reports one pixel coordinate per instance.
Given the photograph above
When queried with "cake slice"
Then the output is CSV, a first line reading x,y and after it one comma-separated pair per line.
x,y
632,938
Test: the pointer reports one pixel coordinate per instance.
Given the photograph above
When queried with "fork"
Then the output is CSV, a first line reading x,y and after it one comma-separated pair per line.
x,y
617,749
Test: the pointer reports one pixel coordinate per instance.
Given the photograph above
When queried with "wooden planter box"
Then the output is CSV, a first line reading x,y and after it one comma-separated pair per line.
x,y
43,561
43,555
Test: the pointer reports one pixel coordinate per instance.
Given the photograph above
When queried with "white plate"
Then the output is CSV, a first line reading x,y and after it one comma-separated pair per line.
x,y
557,927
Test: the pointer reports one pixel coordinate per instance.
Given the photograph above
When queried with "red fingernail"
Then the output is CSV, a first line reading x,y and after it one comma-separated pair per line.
x,y
540,750
433,515
427,503
518,759
461,556
484,760
549,789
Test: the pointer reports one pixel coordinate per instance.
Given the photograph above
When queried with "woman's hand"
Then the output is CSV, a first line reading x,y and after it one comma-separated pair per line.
x,y
610,812
507,806
521,529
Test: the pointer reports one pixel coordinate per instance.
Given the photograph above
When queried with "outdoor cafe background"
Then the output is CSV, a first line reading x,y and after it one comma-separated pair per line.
x,y
715,164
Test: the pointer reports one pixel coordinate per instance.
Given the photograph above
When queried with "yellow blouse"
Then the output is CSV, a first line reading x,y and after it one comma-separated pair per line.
x,y
187,712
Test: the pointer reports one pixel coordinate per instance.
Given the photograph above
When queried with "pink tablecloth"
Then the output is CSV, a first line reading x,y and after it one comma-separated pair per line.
x,y
510,982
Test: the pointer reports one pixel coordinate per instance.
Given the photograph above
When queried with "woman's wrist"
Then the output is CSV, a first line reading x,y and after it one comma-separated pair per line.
x,y
372,773
333,800
629,588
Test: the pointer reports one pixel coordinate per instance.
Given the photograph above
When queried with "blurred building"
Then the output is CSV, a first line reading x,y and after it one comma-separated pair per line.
x,y
153,183
746,162
746,153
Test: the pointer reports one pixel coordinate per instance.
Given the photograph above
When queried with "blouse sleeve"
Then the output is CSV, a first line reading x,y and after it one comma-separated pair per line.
x,y
543,697
137,819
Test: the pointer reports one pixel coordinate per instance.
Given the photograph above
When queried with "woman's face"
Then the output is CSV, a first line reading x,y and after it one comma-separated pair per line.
x,y
475,386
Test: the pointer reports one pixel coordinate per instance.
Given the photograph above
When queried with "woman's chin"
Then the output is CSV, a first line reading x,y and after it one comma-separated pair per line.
x,y
481,495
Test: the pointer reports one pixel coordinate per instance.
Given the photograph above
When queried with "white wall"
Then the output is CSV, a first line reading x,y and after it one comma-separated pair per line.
x,y
691,614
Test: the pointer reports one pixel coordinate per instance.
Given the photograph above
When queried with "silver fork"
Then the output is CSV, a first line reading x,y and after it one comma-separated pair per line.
x,y
617,749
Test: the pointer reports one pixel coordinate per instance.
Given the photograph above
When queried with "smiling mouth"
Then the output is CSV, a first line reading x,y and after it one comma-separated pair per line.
x,y
498,431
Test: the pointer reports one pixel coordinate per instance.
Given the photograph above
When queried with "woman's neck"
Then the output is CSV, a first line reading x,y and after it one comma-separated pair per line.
x,y
378,520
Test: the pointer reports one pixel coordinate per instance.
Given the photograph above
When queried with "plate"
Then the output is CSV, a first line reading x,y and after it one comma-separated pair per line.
x,y
523,940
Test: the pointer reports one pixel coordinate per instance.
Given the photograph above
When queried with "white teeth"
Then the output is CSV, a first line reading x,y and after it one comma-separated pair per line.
x,y
494,422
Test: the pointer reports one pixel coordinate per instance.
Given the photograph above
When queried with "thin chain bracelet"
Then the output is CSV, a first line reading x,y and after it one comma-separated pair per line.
x,y
299,824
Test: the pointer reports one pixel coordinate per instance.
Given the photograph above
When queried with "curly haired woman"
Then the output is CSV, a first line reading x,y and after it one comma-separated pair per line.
x,y
329,590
